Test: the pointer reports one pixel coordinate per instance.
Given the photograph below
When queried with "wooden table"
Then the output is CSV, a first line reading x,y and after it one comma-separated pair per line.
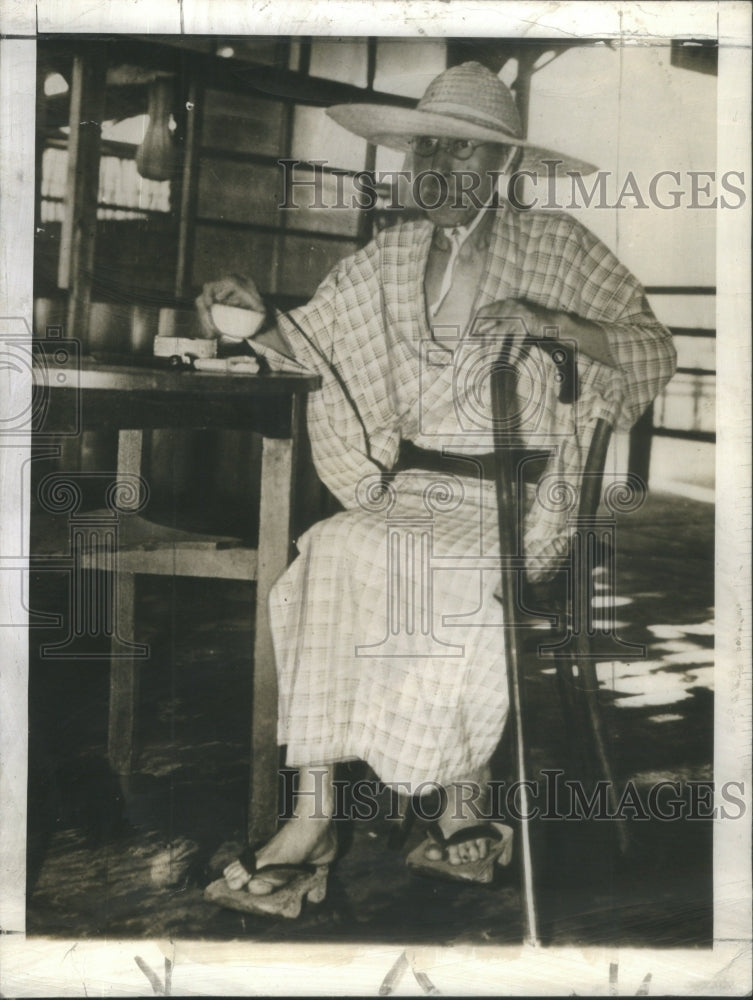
x,y
88,395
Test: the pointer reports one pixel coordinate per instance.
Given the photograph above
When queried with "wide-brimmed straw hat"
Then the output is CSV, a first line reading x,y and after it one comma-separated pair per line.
x,y
463,102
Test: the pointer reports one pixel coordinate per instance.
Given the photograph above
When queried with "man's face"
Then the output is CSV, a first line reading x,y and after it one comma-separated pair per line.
x,y
454,190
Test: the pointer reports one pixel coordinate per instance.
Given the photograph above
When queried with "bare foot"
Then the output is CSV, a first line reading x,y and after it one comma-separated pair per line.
x,y
306,838
467,805
299,841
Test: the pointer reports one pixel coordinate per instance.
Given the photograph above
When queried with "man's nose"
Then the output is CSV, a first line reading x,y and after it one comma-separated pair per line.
x,y
442,160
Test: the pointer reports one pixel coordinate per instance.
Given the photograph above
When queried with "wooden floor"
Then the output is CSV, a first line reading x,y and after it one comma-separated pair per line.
x,y
115,858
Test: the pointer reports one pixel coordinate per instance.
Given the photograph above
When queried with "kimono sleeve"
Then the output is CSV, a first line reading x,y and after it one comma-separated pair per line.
x,y
318,335
595,285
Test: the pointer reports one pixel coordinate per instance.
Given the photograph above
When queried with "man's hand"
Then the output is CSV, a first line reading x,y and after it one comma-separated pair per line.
x,y
510,316
232,290
514,318
509,321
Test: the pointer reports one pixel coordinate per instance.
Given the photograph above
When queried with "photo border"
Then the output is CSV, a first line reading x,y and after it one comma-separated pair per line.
x,y
40,966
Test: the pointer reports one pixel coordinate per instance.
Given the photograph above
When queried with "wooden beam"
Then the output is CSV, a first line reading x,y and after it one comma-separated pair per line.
x,y
680,289
237,75
189,190
522,86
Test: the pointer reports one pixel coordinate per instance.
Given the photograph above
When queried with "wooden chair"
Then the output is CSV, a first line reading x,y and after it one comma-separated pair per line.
x,y
565,601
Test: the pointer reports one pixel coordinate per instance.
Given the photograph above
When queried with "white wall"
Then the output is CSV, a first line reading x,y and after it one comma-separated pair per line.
x,y
627,109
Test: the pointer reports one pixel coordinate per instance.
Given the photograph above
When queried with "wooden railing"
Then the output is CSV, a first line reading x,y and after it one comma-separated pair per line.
x,y
644,430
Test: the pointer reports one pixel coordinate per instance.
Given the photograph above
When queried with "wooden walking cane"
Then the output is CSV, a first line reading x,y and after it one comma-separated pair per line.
x,y
503,384
505,412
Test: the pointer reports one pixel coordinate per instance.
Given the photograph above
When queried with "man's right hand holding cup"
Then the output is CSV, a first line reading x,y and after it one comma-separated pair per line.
x,y
232,307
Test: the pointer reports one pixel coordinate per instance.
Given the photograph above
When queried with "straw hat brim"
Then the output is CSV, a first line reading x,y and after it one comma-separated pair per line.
x,y
394,127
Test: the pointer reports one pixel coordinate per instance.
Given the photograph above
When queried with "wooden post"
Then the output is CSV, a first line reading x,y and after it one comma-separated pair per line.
x,y
41,119
79,228
189,189
523,86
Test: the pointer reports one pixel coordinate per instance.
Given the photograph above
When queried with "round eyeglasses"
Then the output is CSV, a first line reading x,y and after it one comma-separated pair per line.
x,y
427,145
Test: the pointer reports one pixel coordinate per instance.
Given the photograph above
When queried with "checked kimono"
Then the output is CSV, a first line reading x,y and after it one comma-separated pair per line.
x,y
386,628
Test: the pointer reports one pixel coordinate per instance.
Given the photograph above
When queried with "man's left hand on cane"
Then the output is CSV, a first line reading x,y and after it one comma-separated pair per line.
x,y
515,319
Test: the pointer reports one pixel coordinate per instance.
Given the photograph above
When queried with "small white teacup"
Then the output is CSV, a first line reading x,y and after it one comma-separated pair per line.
x,y
235,322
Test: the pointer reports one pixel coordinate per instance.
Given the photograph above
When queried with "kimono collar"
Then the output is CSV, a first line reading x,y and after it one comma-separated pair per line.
x,y
478,228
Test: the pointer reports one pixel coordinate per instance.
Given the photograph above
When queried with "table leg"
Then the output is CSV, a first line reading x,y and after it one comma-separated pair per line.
x,y
124,680
124,670
275,508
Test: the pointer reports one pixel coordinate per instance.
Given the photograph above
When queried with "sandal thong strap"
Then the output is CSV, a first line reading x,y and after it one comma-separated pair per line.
x,y
482,831
247,858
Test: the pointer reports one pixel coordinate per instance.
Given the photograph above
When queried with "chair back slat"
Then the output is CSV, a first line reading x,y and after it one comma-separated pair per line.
x,y
593,470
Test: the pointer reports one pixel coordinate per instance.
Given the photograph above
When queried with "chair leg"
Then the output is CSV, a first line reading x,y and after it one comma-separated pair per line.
x,y
124,681
589,688
572,712
585,555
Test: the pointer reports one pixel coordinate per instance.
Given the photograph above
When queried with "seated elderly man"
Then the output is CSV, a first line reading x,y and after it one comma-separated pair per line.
x,y
393,654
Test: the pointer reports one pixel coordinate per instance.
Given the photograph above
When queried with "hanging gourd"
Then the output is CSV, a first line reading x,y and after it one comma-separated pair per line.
x,y
156,156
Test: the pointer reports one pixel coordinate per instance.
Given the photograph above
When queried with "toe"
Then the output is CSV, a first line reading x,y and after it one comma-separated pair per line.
x,y
472,853
458,855
236,875
262,887
434,852
463,854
